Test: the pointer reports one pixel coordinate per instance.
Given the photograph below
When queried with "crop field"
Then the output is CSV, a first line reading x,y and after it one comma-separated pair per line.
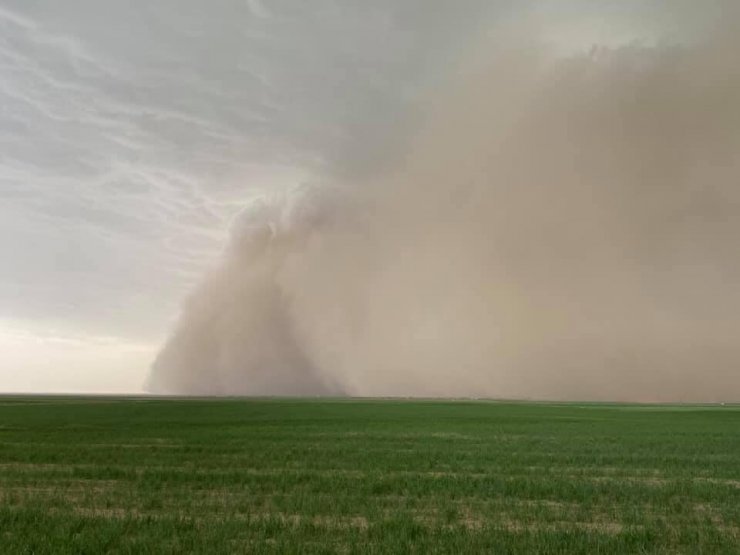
x,y
94,475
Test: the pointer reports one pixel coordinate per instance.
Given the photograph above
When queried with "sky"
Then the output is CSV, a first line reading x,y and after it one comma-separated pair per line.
x,y
133,133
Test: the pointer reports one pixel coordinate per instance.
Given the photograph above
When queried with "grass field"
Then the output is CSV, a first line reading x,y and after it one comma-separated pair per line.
x,y
291,476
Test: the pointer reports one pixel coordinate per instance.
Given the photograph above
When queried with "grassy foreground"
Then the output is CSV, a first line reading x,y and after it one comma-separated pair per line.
x,y
289,476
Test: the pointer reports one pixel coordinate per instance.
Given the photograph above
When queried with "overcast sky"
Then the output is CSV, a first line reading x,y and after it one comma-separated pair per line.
x,y
131,133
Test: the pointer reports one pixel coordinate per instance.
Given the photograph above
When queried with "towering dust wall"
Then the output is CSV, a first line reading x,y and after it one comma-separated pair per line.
x,y
561,227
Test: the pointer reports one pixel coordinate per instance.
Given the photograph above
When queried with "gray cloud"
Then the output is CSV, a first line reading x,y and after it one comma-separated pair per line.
x,y
132,133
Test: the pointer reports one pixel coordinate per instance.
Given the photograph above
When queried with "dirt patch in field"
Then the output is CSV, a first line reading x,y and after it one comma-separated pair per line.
x,y
721,481
35,466
607,527
66,487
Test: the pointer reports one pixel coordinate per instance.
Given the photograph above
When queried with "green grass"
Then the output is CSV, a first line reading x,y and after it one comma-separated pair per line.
x,y
308,476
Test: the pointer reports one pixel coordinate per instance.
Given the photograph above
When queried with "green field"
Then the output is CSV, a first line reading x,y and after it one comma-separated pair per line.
x,y
327,476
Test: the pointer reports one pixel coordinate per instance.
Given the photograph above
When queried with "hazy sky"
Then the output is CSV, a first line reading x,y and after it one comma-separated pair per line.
x,y
131,134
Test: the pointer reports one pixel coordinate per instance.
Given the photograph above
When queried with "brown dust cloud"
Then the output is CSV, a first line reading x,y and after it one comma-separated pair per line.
x,y
561,226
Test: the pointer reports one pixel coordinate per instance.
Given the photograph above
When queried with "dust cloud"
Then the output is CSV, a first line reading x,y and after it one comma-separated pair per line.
x,y
561,227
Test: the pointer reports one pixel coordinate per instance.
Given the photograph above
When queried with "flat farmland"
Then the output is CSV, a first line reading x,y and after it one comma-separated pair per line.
x,y
96,475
